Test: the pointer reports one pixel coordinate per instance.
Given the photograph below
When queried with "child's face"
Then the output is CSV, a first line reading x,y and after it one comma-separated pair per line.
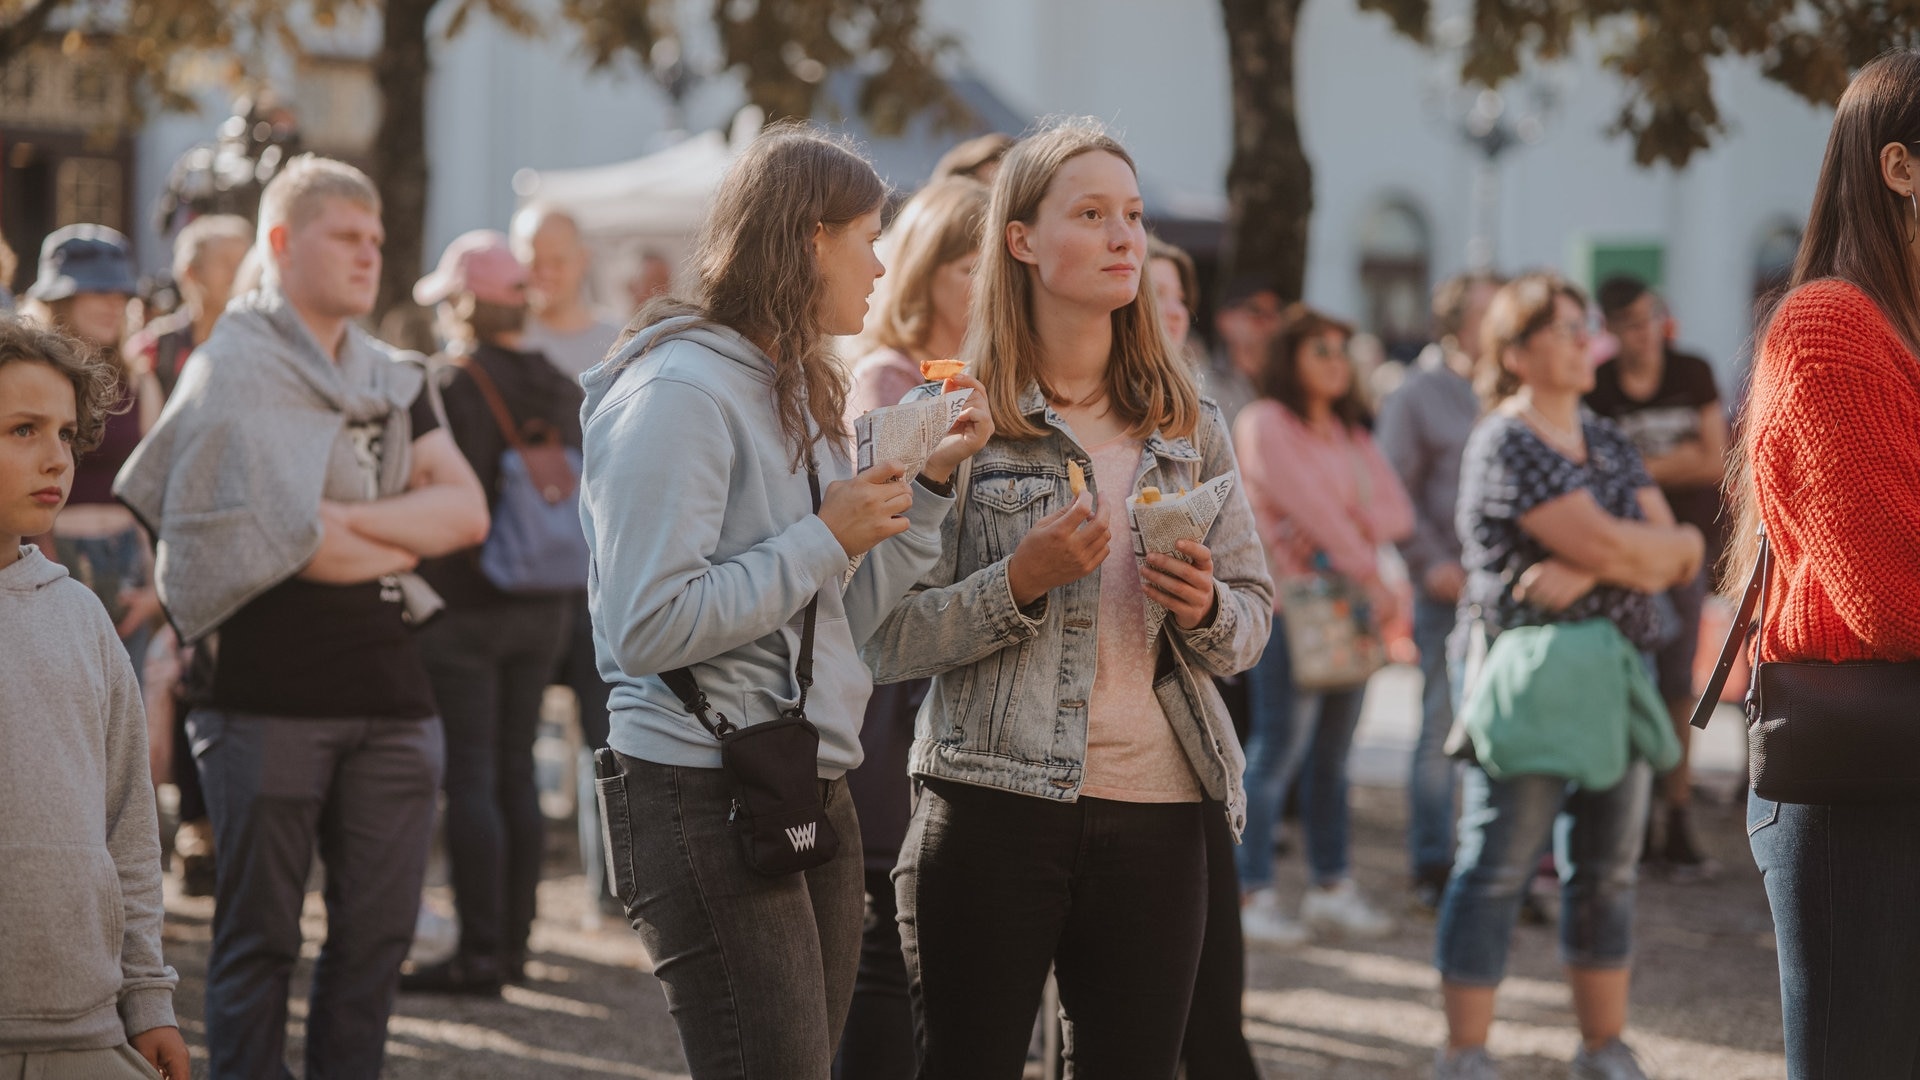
x,y
38,421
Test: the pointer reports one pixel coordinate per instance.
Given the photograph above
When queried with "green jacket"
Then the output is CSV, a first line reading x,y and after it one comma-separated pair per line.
x,y
1567,699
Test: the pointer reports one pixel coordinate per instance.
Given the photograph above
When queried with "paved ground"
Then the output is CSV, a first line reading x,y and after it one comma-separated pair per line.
x,y
1706,1003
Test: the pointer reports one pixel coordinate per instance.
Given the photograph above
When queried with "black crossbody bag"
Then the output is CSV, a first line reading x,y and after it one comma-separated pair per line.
x,y
1821,733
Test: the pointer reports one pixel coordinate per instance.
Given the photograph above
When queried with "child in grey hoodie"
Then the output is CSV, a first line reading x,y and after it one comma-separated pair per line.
x,y
84,994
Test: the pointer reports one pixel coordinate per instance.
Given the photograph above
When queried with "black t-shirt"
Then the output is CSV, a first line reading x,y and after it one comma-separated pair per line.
x,y
306,649
1508,470
1662,423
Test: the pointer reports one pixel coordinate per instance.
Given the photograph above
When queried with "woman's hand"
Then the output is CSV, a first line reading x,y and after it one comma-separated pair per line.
x,y
165,1050
141,604
1695,546
1062,548
867,509
1185,589
1553,586
970,431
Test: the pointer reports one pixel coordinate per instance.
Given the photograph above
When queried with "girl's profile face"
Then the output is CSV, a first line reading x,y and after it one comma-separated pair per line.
x,y
1326,371
1171,299
848,269
1088,239
952,291
38,421
98,318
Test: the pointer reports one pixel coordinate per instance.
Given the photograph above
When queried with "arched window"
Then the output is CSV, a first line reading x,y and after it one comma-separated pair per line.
x,y
1395,257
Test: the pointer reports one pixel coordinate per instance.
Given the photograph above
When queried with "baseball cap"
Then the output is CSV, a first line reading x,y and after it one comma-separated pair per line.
x,y
479,262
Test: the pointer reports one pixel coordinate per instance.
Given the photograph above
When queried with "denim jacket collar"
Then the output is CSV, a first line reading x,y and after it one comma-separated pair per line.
x,y
1032,402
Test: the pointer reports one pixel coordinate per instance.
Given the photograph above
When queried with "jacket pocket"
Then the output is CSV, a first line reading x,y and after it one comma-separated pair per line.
x,y
1008,505
64,919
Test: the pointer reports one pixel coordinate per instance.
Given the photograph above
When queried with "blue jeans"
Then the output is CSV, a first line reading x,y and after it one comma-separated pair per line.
x,y
1505,825
1304,734
1843,882
1430,785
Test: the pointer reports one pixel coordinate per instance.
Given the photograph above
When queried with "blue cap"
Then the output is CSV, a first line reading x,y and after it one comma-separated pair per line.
x,y
84,259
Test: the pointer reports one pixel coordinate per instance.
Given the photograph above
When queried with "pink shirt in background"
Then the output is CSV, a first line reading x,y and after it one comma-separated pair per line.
x,y
1132,752
881,378
1335,492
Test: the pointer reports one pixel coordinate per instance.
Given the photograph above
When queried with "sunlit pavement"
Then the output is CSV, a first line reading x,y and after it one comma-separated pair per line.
x,y
1706,1004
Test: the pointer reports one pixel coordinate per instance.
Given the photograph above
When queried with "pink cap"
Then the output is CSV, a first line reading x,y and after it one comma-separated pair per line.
x,y
479,262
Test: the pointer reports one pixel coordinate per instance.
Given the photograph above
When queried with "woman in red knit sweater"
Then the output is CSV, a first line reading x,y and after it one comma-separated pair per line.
x,y
1832,462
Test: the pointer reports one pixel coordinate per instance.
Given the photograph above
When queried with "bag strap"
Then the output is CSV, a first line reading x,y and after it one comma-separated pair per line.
x,y
502,416
1752,603
685,687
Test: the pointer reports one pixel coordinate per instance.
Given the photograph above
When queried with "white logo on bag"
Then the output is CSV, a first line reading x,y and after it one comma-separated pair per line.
x,y
801,836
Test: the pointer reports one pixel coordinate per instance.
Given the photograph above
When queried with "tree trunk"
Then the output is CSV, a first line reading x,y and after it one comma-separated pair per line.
x,y
400,146
1269,182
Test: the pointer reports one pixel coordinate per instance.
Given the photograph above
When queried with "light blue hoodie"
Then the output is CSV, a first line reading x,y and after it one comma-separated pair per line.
x,y
706,550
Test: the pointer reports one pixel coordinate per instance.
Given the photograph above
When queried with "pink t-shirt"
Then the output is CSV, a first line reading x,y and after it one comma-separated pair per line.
x,y
1132,752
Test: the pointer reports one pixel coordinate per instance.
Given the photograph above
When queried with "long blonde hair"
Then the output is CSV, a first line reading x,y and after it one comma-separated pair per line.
x,y
939,225
1147,384
755,271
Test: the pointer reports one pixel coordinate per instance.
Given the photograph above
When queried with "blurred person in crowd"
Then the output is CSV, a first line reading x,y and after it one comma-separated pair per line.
x,y
563,328
299,474
722,509
1423,429
977,158
9,266
1215,1045
1246,323
1667,402
1326,500
1059,818
206,260
919,313
652,278
1829,450
491,653
407,325
85,278
1559,523
84,990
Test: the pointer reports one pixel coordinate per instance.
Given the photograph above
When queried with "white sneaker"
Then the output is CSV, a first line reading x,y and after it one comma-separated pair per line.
x,y
1342,912
1262,923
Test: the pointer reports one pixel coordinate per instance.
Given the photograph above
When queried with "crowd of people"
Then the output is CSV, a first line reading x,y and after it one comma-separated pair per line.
x,y
876,751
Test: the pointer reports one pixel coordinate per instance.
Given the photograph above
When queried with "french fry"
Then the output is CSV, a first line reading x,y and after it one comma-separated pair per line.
x,y
940,370
1076,479
1149,495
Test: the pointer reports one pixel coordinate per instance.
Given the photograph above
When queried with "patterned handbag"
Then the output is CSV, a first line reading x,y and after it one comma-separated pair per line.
x,y
1332,636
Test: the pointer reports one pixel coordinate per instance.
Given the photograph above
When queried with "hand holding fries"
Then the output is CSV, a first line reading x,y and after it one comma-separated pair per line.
x,y
970,431
867,509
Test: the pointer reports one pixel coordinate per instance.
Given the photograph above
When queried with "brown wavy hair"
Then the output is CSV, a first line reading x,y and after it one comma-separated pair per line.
x,y
1148,385
98,389
1280,375
1857,232
1522,308
755,271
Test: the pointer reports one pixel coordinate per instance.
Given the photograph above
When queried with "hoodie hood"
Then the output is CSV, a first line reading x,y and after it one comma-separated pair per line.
x,y
31,572
648,348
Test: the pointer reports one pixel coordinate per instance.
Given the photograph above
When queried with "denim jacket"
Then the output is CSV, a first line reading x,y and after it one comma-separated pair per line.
x,y
1008,708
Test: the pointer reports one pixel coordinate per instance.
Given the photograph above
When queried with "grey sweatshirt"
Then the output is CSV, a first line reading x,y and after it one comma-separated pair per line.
x,y
80,907
706,549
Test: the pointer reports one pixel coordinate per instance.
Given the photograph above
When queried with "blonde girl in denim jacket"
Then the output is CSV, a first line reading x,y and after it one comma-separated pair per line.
x,y
1065,757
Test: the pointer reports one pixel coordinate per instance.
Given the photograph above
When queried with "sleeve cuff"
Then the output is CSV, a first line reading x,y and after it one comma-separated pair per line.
x,y
147,1008
1010,621
1217,633
819,549
929,510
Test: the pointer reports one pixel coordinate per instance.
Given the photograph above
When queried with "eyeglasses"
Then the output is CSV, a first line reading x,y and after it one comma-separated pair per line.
x,y
1568,331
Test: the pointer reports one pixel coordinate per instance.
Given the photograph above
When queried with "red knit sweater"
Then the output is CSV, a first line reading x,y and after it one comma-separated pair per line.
x,y
1836,463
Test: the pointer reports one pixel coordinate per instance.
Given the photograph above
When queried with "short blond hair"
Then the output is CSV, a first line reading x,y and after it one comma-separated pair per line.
x,y
202,233
294,195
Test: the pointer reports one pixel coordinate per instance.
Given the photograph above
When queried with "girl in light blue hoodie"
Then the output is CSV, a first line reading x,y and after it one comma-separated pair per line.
x,y
707,548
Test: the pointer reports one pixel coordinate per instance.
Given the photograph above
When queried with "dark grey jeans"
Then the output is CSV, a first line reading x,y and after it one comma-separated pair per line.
x,y
758,970
364,790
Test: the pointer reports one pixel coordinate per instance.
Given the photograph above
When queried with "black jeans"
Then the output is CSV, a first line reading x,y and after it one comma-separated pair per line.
x,y
490,667
758,970
365,791
1216,1046
995,887
878,1044
1843,882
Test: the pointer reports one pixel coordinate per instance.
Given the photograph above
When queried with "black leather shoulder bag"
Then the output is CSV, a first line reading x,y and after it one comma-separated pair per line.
x,y
1821,733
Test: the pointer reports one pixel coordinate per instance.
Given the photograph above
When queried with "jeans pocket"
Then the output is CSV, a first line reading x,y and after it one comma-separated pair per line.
x,y
1760,813
617,834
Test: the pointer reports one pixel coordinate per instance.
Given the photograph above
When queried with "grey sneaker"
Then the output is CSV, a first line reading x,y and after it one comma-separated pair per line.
x,y
1473,1063
1614,1061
